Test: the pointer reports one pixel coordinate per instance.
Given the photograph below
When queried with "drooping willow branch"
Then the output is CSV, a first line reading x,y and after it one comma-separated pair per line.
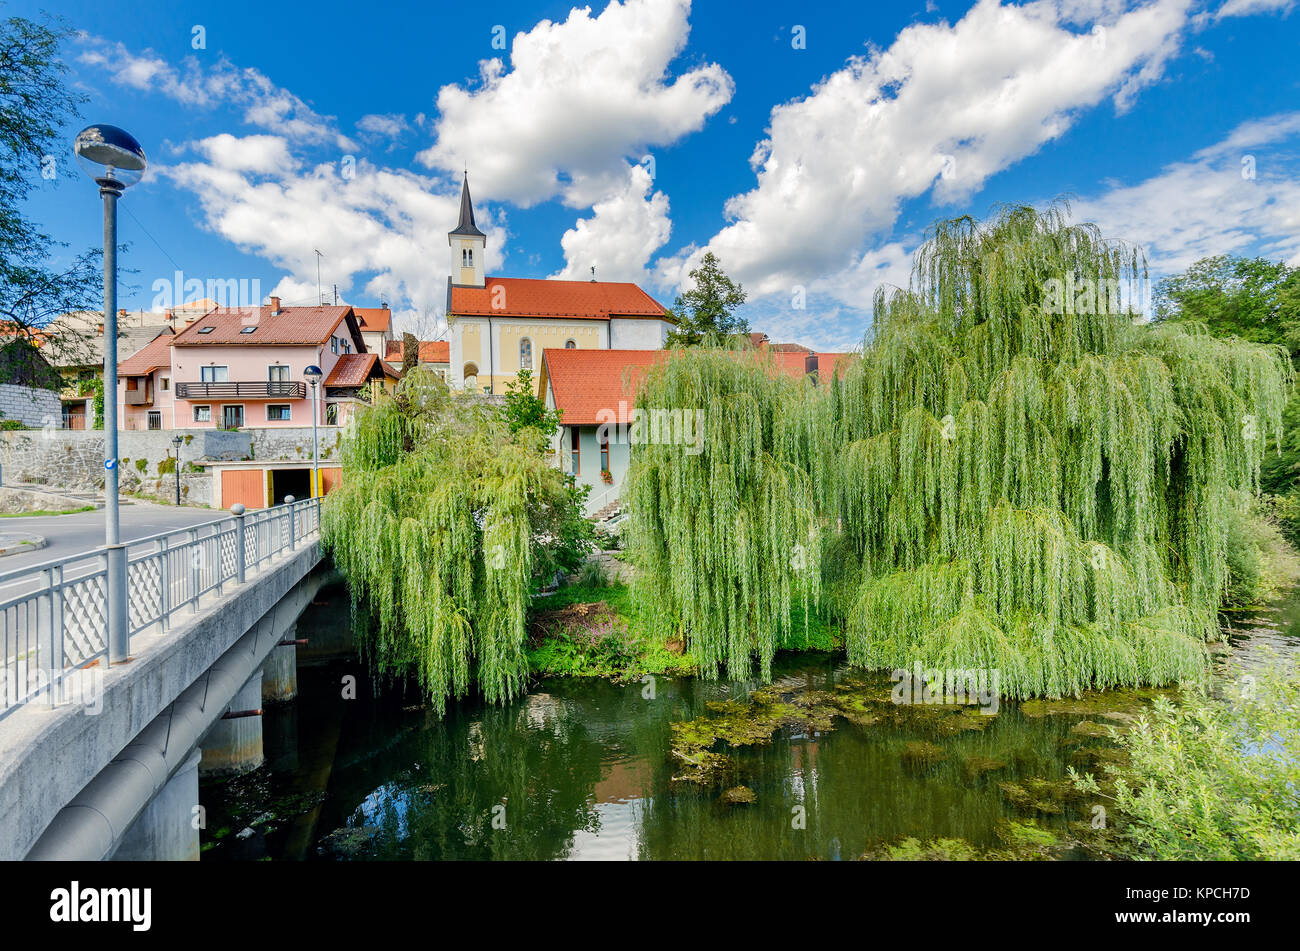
x,y
436,526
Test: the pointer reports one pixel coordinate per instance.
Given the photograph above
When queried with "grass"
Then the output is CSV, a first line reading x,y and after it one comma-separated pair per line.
x,y
618,643
41,512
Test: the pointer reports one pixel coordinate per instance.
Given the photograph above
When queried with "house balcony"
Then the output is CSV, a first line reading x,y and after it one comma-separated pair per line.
x,y
265,390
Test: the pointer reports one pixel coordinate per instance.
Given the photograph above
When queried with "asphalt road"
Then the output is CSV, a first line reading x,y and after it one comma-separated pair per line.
x,y
68,535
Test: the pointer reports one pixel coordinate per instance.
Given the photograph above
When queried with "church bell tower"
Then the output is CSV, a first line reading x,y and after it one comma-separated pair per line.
x,y
467,244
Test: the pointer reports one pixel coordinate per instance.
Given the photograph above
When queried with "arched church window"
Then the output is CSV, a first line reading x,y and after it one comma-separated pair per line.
x,y
525,354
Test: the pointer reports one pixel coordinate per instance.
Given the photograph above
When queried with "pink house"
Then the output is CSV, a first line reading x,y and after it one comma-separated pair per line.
x,y
243,368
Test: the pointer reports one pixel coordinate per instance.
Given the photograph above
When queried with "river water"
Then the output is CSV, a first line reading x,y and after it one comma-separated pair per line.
x,y
584,769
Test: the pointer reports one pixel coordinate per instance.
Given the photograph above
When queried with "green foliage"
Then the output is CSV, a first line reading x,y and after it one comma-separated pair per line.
x,y
706,310
36,105
1211,779
523,408
1256,300
11,424
591,575
441,525
996,484
1250,298
166,466
95,387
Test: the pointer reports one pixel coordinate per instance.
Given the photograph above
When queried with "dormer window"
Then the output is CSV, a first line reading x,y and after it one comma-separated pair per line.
x,y
466,257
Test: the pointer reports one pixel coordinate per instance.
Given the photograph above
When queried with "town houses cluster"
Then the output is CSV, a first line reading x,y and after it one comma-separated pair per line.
x,y
203,366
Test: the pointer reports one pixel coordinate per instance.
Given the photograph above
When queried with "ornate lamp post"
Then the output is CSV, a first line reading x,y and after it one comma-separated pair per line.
x,y
114,160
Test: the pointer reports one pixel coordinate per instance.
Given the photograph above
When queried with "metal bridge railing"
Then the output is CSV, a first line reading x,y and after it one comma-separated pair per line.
x,y
54,616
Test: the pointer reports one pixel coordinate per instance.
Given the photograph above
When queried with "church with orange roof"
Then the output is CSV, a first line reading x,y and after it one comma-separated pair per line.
x,y
501,325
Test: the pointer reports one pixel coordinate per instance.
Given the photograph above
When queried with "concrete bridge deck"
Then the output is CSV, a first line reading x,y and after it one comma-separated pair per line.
x,y
76,777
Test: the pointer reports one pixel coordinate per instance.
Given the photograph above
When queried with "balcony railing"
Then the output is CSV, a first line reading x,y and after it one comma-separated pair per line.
x,y
267,390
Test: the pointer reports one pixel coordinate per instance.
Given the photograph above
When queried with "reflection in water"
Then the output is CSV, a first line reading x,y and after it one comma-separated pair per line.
x,y
581,769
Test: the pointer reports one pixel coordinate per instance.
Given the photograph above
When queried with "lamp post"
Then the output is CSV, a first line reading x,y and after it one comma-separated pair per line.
x,y
312,375
177,441
114,160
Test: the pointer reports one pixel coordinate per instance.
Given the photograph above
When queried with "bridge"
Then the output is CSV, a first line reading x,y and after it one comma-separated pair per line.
x,y
101,760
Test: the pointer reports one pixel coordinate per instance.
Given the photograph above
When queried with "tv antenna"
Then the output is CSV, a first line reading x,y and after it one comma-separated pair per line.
x,y
319,298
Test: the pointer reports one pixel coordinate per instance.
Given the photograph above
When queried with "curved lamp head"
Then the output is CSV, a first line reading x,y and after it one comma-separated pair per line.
x,y
312,374
109,155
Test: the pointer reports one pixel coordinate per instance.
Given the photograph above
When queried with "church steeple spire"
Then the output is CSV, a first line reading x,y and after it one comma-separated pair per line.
x,y
467,244
466,226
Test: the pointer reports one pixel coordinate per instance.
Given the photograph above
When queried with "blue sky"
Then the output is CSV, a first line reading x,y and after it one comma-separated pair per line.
x,y
808,145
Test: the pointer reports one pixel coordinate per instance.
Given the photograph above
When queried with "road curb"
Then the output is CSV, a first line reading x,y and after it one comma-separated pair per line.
x,y
12,543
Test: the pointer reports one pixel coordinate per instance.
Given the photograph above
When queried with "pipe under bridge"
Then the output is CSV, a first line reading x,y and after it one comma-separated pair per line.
x,y
100,761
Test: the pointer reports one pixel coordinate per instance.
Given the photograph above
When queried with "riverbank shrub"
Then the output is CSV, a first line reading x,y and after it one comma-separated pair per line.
x,y
1262,563
1211,779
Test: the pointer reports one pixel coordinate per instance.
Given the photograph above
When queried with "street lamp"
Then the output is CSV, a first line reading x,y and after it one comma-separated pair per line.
x,y
312,375
114,160
177,441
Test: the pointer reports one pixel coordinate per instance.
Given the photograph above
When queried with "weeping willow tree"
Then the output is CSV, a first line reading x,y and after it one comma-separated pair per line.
x,y
441,523
1016,475
724,529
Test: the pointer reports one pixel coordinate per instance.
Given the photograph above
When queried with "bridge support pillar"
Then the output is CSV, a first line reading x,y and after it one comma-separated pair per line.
x,y
280,672
234,746
168,828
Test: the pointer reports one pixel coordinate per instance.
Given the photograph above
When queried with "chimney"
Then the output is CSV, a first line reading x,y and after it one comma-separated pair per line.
x,y
275,307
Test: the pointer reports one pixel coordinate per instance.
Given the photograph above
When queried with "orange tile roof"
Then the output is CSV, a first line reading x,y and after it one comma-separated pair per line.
x,y
373,319
431,351
533,297
293,325
354,369
585,382
157,353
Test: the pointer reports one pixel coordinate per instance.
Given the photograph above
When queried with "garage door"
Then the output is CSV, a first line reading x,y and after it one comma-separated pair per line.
x,y
246,486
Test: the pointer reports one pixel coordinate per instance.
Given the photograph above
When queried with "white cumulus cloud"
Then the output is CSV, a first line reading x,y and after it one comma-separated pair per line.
x,y
622,234
941,110
578,99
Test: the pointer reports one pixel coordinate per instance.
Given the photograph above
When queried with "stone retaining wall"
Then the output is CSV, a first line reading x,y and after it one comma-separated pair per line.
x,y
74,459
